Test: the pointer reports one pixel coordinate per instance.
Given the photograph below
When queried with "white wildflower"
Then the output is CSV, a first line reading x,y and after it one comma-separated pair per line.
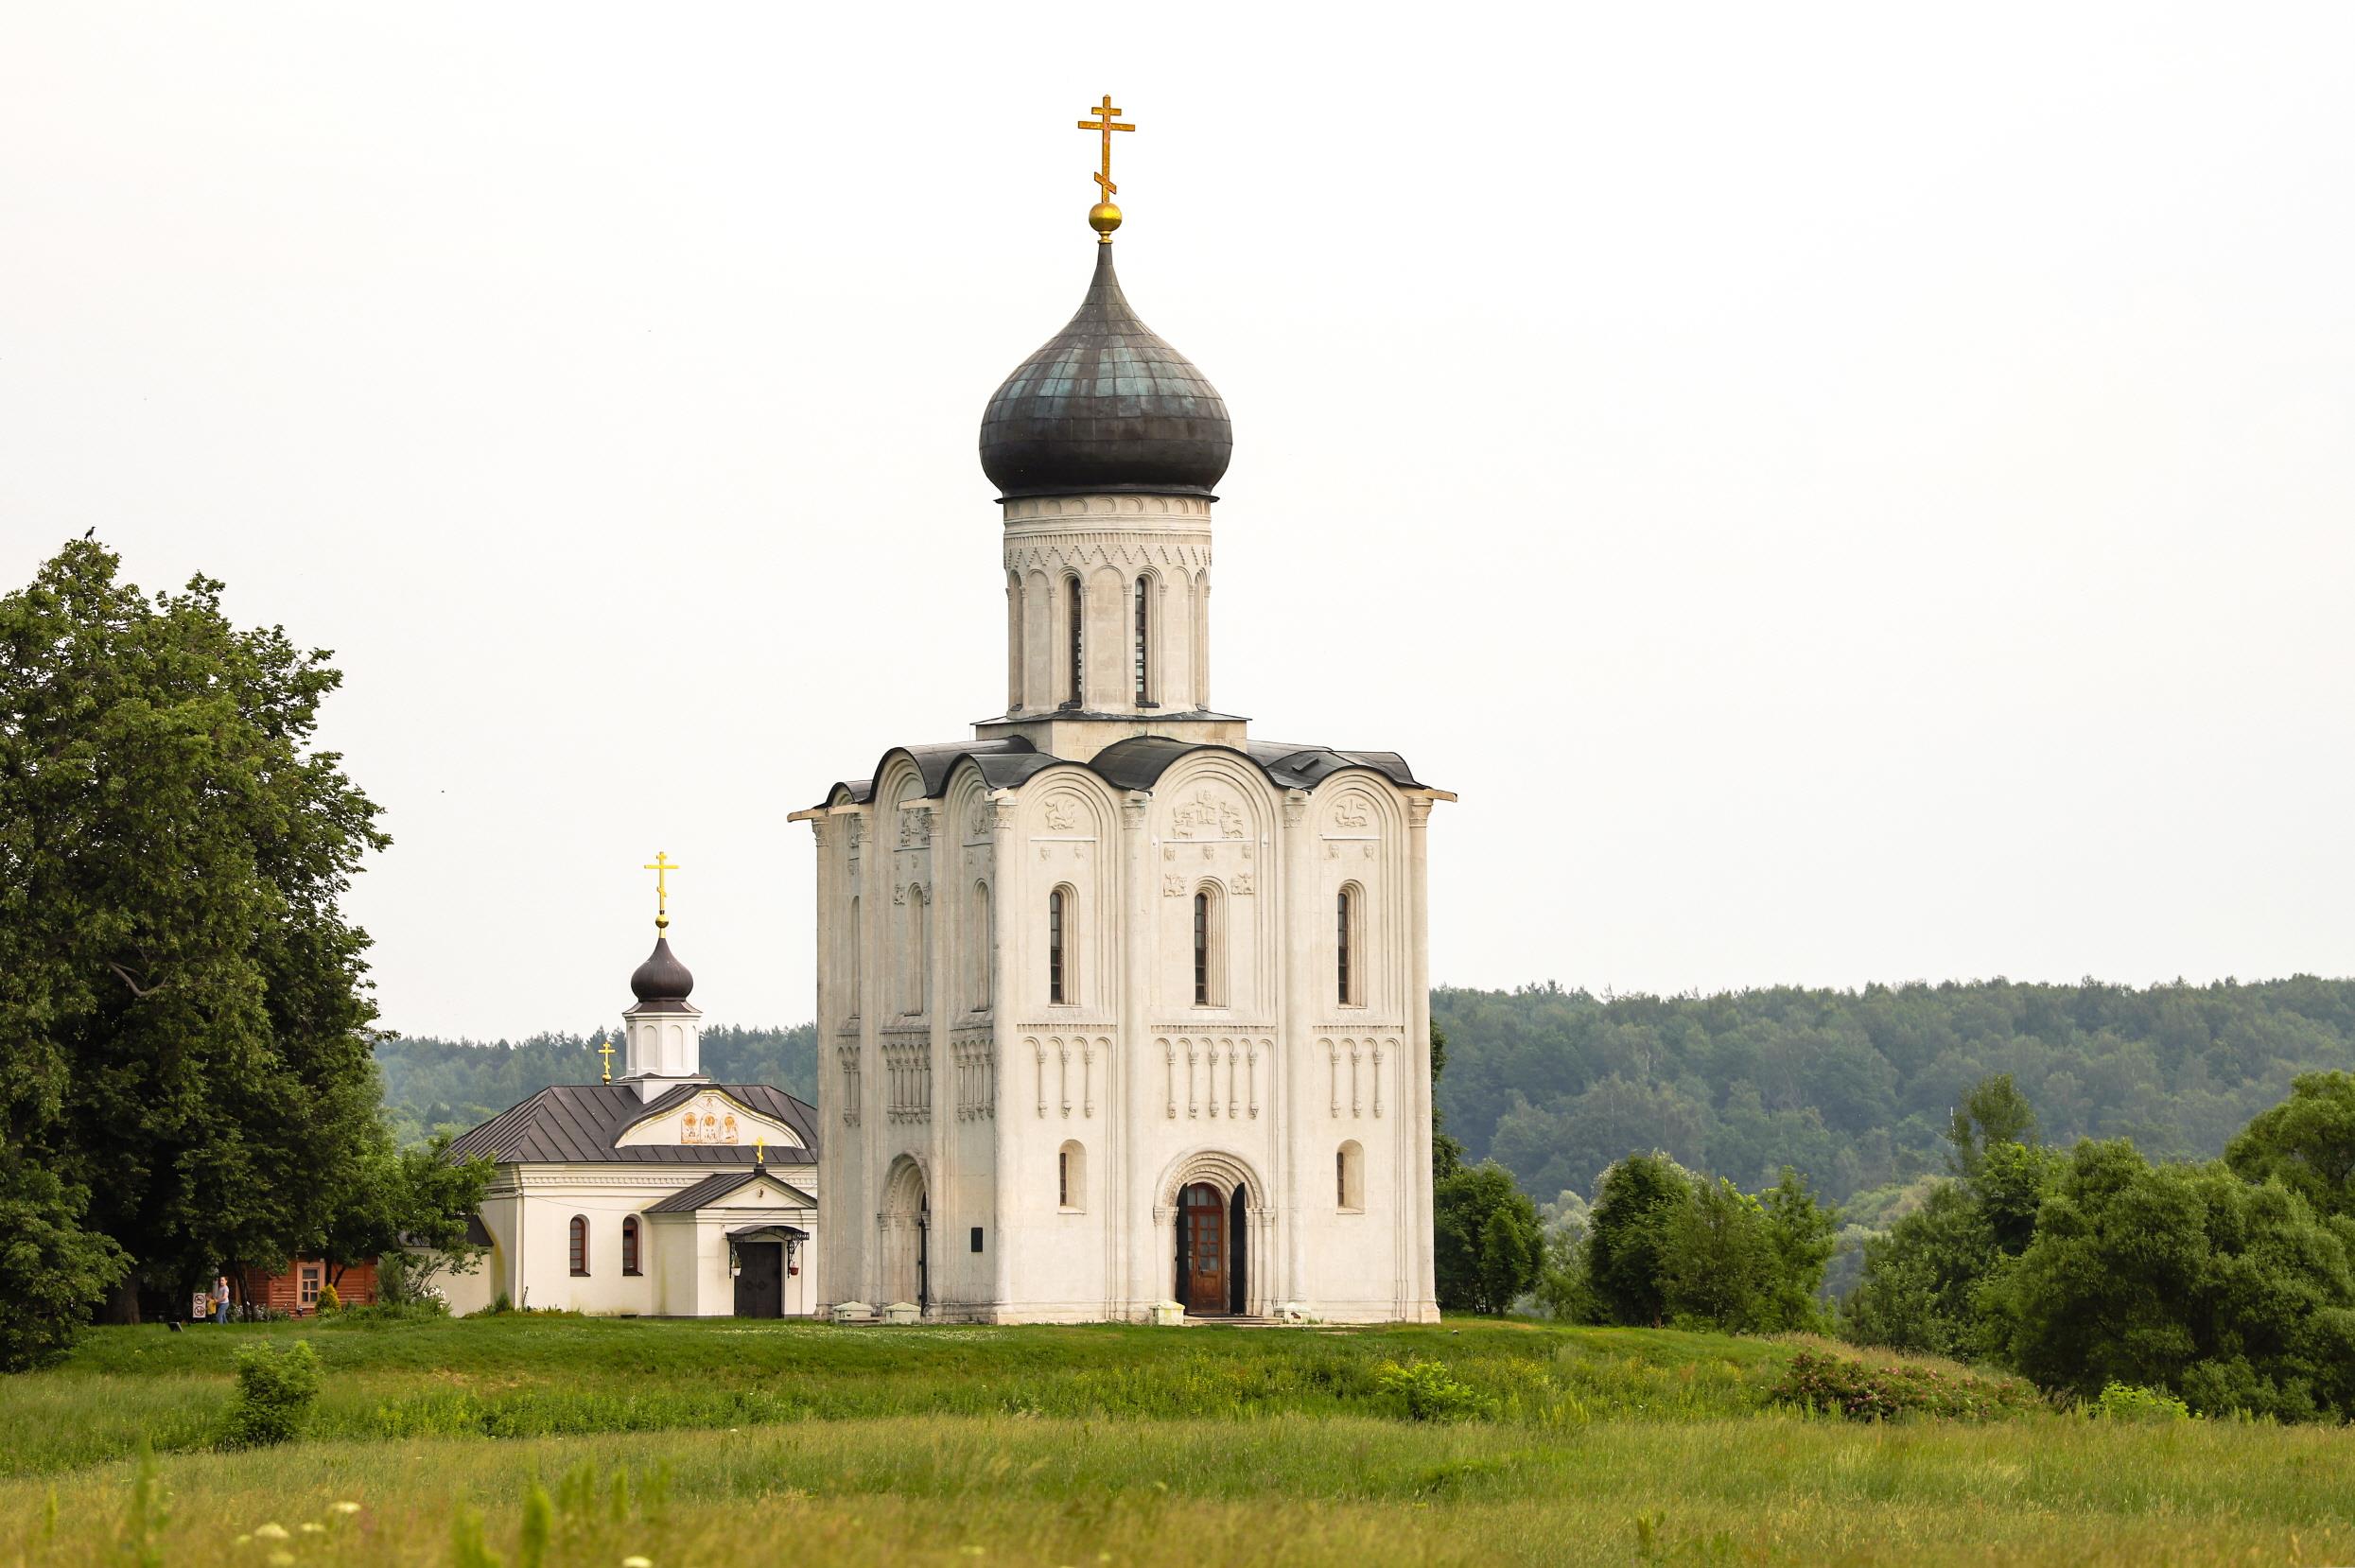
x,y
312,1526
638,1562
343,1508
270,1532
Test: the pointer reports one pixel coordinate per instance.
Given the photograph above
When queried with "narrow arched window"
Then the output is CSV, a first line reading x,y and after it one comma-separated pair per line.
x,y
1058,932
580,1244
1202,949
1345,947
1071,1177
1142,661
857,937
629,1245
1349,1177
978,980
912,981
1076,614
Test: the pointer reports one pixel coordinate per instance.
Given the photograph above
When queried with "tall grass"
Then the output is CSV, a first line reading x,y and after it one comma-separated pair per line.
x,y
1289,1488
547,1377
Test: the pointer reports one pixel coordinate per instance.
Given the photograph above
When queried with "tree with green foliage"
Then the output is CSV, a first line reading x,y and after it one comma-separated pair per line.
x,y
1486,1242
1921,1279
1447,1154
2307,1143
2234,1296
1800,1237
1715,1263
389,1199
183,1009
1995,1112
52,1272
1637,1202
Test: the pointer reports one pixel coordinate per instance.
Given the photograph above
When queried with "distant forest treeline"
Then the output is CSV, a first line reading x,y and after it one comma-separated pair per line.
x,y
1856,1089
1853,1088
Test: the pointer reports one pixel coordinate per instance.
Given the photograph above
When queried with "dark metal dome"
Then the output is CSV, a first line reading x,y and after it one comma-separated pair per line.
x,y
662,977
1106,407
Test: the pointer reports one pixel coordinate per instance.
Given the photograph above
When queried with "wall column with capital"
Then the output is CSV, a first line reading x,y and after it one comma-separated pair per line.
x,y
1007,997
1414,1088
1294,1104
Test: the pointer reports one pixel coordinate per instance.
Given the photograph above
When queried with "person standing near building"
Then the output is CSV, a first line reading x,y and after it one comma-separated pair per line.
x,y
220,1299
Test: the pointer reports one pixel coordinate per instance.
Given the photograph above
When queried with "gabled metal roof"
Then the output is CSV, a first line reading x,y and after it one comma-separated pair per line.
x,y
578,1123
709,1190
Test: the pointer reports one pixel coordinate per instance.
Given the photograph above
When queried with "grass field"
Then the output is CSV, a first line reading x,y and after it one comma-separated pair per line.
x,y
592,1441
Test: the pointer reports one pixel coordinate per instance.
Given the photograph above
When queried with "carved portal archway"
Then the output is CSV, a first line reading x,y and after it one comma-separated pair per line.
x,y
903,1235
1244,1244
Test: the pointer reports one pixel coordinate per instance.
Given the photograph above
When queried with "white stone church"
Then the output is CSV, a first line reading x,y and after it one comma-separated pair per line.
x,y
1121,1009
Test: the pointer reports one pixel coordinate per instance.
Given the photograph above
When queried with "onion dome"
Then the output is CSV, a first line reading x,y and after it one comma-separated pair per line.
x,y
662,977
1106,407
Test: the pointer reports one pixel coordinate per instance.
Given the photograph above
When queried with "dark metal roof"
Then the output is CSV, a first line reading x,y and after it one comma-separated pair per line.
x,y
712,1187
662,977
1136,763
579,1123
1105,406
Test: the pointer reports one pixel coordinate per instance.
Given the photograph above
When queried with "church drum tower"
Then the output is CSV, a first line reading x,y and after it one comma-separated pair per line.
x,y
1119,1006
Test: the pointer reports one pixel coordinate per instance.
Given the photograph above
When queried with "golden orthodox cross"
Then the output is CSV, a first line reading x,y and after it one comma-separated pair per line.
x,y
661,866
605,1049
1106,123
759,1148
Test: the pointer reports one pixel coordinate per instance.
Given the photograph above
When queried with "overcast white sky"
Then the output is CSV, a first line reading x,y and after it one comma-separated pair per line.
x,y
1843,493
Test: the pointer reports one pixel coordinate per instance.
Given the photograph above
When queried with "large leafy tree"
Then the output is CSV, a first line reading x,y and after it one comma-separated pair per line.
x,y
2307,1143
183,1009
2236,1296
1487,1241
1629,1236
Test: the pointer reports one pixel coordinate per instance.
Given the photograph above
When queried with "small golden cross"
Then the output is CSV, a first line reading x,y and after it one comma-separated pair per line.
x,y
759,1148
1106,123
605,1049
661,865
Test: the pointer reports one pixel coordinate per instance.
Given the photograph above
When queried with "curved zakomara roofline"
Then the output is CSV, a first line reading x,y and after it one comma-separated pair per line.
x,y
1136,763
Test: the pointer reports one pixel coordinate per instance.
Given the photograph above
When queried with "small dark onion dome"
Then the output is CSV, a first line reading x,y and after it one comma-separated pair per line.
x,y
1105,407
662,977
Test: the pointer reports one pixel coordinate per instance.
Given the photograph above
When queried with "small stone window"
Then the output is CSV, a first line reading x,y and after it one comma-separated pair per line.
x,y
1349,1178
629,1245
1071,1179
579,1246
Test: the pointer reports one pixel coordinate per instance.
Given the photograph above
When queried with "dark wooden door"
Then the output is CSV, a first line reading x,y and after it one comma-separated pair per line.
x,y
1202,1241
761,1279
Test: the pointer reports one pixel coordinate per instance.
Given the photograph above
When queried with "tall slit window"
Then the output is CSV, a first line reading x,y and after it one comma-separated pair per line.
x,y
979,983
1345,954
1058,932
1144,590
911,978
1075,613
857,937
629,1245
1202,949
580,1244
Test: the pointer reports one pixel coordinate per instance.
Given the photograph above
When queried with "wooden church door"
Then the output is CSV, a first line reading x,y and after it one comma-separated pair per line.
x,y
1203,1249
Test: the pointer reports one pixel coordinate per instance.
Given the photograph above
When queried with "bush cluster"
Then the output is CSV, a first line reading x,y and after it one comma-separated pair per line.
x,y
1431,1393
275,1390
1865,1392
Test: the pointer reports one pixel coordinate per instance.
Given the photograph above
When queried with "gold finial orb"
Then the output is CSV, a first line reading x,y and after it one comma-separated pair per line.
x,y
1104,217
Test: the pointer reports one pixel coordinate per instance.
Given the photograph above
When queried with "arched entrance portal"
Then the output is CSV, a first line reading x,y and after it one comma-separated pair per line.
x,y
1221,1235
1212,1250
904,1242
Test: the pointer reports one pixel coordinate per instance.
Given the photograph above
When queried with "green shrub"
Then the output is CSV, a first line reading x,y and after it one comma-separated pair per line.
x,y
2124,1402
274,1394
1430,1392
1863,1392
329,1302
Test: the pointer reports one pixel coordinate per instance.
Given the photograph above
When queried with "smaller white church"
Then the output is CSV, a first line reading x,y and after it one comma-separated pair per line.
x,y
661,1194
